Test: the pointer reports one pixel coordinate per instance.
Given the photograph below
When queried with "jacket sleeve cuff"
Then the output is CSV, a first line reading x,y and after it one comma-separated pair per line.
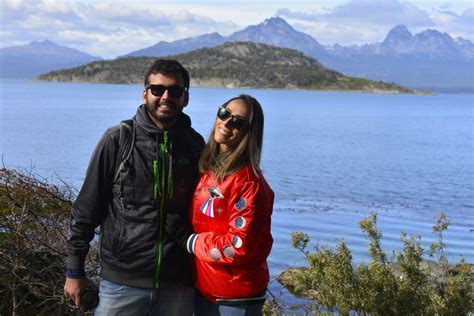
x,y
75,273
191,243
75,262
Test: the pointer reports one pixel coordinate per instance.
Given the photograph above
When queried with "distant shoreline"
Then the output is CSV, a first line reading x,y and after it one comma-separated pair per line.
x,y
221,86
421,90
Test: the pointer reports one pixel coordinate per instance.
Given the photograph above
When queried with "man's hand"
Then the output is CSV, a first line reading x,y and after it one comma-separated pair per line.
x,y
74,287
178,227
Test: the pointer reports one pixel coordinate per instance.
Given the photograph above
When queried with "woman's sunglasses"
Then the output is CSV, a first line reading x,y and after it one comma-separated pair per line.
x,y
158,90
236,122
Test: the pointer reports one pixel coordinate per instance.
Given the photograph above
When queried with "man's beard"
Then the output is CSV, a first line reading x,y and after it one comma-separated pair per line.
x,y
162,118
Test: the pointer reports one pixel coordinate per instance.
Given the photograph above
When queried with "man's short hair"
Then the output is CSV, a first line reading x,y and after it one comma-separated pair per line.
x,y
168,67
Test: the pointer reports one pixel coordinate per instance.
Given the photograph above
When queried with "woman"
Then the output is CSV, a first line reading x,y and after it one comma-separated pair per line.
x,y
230,214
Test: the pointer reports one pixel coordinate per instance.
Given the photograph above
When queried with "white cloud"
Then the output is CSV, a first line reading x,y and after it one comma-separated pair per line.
x,y
12,4
379,12
469,13
369,21
461,25
54,7
103,29
121,40
110,28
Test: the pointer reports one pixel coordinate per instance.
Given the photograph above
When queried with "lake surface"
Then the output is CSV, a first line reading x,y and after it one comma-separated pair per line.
x,y
331,158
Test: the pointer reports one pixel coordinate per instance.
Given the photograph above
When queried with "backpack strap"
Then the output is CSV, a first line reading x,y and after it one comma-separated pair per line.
x,y
126,143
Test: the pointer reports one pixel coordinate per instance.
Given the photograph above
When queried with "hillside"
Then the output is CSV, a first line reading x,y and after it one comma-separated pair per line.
x,y
236,64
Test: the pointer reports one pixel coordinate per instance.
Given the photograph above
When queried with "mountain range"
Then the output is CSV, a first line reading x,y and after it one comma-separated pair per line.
x,y
276,31
35,58
273,31
429,60
399,41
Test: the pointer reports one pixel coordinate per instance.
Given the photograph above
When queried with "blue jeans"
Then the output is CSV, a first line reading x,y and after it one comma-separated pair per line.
x,y
205,308
116,299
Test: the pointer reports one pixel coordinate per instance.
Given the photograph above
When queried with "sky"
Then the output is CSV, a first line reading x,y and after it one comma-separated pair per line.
x,y
109,29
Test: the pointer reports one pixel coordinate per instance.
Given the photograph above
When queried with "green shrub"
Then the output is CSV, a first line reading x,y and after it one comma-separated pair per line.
x,y
408,285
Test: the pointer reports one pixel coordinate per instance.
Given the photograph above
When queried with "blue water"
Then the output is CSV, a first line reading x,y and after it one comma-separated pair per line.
x,y
331,158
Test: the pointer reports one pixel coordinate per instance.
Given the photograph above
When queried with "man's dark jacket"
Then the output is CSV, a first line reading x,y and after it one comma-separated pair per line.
x,y
143,218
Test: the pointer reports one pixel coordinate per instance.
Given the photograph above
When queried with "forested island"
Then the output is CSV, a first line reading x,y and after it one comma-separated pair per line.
x,y
232,65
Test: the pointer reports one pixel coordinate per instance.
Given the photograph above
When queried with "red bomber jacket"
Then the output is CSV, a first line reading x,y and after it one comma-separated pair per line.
x,y
232,222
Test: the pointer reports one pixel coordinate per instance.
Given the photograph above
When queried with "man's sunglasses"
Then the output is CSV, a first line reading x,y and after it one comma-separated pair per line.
x,y
158,90
236,122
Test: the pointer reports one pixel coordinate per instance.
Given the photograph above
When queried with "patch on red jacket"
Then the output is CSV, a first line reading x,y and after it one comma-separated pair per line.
x,y
215,192
236,241
239,222
215,254
207,208
229,252
240,204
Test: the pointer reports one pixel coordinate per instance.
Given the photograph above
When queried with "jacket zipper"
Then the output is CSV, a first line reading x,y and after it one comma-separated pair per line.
x,y
163,151
155,180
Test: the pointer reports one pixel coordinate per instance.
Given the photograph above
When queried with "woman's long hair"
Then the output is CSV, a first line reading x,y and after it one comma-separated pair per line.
x,y
247,151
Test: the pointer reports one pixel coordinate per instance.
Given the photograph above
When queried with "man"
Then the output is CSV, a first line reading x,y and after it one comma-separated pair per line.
x,y
145,268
